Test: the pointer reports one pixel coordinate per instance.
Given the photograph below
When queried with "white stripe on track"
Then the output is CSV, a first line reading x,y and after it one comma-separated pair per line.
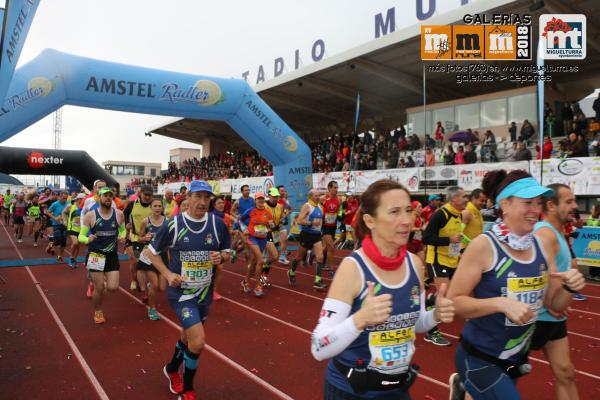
x,y
266,385
584,312
84,365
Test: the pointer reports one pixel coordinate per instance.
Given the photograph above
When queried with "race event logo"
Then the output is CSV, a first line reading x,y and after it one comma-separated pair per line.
x,y
563,36
203,92
36,88
37,160
499,37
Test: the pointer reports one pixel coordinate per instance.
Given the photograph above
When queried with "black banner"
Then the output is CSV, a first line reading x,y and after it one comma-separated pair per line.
x,y
20,160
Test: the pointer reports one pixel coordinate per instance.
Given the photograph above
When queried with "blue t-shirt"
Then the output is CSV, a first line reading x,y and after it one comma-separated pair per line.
x,y
56,209
563,264
190,242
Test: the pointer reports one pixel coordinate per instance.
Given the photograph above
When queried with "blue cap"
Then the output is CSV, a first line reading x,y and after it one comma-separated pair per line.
x,y
433,197
526,188
200,186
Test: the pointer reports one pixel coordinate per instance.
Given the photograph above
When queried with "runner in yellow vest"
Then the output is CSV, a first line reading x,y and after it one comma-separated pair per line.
x,y
169,203
72,214
471,216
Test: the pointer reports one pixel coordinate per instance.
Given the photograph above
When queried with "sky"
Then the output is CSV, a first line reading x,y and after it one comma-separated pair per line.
x,y
222,39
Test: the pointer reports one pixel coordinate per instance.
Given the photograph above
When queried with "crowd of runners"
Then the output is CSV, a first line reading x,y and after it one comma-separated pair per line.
x,y
499,258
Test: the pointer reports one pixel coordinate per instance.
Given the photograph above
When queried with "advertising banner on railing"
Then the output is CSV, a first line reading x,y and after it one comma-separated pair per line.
x,y
409,177
470,176
586,246
345,180
439,173
581,174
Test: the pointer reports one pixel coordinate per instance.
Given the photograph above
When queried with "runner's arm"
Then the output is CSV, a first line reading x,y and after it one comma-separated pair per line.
x,y
466,217
160,242
302,216
427,320
85,229
337,328
121,221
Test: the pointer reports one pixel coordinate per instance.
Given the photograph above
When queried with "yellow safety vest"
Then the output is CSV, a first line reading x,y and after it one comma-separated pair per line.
x,y
475,227
440,254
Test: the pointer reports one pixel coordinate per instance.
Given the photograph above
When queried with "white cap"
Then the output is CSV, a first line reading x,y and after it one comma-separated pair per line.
x,y
349,193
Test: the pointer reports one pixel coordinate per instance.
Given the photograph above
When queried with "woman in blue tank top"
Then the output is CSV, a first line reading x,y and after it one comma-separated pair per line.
x,y
503,280
376,304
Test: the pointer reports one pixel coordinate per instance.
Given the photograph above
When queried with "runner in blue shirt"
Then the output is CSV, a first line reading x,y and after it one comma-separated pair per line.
x,y
197,243
59,226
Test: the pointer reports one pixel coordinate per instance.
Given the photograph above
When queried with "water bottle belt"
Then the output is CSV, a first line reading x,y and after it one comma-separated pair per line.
x,y
513,370
363,380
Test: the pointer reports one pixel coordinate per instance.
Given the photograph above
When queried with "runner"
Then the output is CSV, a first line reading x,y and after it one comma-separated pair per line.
x,y
18,214
135,212
105,225
239,207
434,202
283,232
72,215
331,209
443,236
500,295
8,198
259,220
59,227
169,203
273,236
375,305
217,207
550,333
310,220
156,282
35,215
471,216
196,242
348,209
415,243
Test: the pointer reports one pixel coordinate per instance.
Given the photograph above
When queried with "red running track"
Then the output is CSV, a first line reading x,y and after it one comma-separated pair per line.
x,y
258,348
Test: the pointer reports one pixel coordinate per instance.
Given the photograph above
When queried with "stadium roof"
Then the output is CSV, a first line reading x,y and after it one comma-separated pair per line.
x,y
9,180
319,99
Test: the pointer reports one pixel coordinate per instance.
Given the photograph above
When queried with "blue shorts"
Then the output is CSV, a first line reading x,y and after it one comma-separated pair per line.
x,y
60,235
190,312
260,242
483,380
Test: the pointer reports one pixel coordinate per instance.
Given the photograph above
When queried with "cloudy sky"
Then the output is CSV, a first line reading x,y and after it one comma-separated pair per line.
x,y
224,39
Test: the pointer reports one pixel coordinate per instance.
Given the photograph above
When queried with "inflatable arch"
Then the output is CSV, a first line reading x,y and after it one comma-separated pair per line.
x,y
54,79
19,160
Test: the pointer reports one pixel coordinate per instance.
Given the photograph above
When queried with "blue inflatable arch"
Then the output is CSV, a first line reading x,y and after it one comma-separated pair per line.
x,y
54,79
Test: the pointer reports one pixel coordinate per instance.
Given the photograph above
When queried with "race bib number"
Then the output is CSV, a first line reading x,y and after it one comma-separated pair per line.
x,y
529,291
196,274
96,262
144,256
75,221
316,223
330,218
391,351
260,231
454,250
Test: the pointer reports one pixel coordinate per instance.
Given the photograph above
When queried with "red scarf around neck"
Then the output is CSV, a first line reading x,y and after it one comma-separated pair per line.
x,y
385,263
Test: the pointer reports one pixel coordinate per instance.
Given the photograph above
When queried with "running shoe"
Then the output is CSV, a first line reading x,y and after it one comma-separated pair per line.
x,y
437,339
99,317
189,395
145,298
59,259
291,278
90,290
35,244
245,287
233,256
175,382
133,285
319,285
457,392
579,297
264,281
283,260
258,291
72,263
19,240
153,314
216,296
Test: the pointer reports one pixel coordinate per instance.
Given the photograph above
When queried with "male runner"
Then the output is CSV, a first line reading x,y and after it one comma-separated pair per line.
x,y
136,212
59,228
169,203
239,207
19,210
72,215
197,242
471,216
273,236
310,220
550,333
331,209
8,198
283,232
105,225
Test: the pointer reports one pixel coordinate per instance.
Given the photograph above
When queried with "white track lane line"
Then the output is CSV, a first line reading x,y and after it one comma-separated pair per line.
x,y
84,365
266,385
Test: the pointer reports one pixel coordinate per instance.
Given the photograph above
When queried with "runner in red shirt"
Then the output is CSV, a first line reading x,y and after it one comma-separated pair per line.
x,y
415,243
434,203
349,209
331,208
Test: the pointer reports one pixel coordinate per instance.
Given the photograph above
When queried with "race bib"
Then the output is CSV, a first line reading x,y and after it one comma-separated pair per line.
x,y
316,223
96,262
144,256
260,231
330,219
454,250
75,221
196,274
391,351
529,291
